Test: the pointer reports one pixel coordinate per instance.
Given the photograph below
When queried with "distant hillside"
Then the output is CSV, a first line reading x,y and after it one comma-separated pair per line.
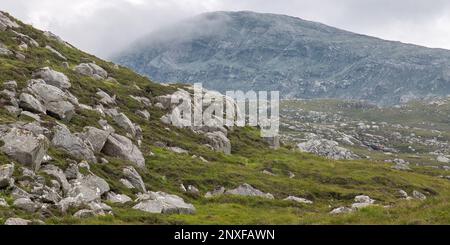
x,y
302,59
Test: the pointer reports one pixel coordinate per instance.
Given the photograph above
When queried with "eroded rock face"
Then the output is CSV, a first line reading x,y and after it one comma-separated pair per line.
x,y
53,78
122,147
160,202
91,70
25,147
248,190
72,144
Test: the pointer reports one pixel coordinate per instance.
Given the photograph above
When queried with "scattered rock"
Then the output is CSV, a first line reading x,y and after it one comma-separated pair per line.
x,y
122,147
192,189
217,192
142,100
56,172
327,148
6,22
105,99
177,150
298,199
25,147
6,173
95,137
91,70
341,210
160,202
29,103
443,159
117,198
25,204
84,213
134,178
17,221
10,85
3,203
55,52
73,145
126,183
247,190
219,141
53,78
144,114
419,195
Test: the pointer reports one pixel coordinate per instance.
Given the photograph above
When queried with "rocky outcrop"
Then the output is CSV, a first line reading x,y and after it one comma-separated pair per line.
x,y
25,146
248,190
160,202
6,22
92,70
122,147
72,144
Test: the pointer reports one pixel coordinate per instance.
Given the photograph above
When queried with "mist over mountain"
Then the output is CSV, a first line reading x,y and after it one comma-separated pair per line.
x,y
301,59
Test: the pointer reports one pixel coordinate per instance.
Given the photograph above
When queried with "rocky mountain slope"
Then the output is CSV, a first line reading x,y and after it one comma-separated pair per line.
x,y
84,141
301,59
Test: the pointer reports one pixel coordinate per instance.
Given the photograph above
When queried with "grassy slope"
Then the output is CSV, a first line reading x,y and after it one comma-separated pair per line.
x,y
328,183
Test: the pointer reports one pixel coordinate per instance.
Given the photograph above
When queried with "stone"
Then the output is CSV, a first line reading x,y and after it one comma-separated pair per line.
x,y
72,172
216,192
403,194
10,85
3,203
122,147
84,213
126,183
89,188
124,122
92,70
57,173
298,199
96,138
72,145
53,78
30,115
219,141
29,103
17,221
144,114
364,199
160,202
443,159
117,198
192,189
25,147
177,150
248,190
419,195
15,111
25,204
105,99
134,178
8,97
6,173
6,22
55,52
341,210
327,148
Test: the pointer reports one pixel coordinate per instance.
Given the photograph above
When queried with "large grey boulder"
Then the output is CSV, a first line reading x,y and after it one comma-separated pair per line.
x,y
248,190
124,122
362,201
17,221
95,137
25,204
117,198
105,98
91,70
25,147
219,141
53,77
88,189
122,147
160,202
134,178
29,103
72,144
6,173
57,102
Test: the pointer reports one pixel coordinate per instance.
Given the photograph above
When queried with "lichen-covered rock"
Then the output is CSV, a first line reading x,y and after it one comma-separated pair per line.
x,y
117,198
91,70
29,103
134,178
95,137
219,141
6,172
160,202
53,78
248,190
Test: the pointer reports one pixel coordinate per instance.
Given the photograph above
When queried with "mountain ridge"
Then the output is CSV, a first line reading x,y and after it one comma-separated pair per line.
x,y
302,59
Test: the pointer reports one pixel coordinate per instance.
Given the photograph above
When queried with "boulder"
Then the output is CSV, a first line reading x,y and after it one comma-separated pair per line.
x,y
219,141
117,198
105,99
29,103
248,190
124,122
17,221
144,114
91,70
160,202
10,85
6,22
134,178
122,147
72,145
53,78
216,192
8,97
25,147
192,189
72,172
142,100
126,183
342,210
88,189
95,137
57,173
6,173
362,201
84,213
3,203
419,195
25,204
298,199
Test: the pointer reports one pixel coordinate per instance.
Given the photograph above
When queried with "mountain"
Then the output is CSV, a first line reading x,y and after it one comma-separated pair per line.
x,y
301,59
85,141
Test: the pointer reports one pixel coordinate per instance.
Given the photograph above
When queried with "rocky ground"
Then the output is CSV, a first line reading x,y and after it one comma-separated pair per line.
x,y
84,141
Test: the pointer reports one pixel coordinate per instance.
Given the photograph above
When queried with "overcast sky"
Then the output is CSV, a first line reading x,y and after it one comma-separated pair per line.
x,y
103,27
